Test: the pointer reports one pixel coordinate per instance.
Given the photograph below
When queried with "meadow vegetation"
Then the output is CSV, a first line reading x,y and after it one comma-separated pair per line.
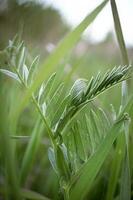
x,y
62,138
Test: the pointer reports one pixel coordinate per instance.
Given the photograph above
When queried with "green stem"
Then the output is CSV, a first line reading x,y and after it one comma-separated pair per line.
x,y
50,133
45,121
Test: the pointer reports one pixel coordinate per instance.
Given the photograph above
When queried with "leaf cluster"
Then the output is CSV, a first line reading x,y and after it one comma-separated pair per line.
x,y
69,152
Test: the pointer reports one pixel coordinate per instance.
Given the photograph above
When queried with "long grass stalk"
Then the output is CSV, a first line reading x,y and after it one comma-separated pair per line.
x,y
120,146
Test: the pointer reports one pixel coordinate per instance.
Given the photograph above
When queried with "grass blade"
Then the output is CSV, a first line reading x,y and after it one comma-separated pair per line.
x,y
121,42
8,162
31,151
28,194
125,189
115,168
119,33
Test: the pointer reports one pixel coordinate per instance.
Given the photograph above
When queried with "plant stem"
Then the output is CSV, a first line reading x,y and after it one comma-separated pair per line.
x,y
50,133
51,136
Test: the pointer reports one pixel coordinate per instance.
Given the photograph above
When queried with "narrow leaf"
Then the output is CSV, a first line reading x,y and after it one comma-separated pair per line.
x,y
29,194
51,156
47,88
79,142
25,73
119,33
21,57
32,69
10,74
31,151
125,184
115,168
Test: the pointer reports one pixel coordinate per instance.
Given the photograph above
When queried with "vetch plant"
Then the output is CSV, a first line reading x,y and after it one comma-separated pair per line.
x,y
80,139
69,155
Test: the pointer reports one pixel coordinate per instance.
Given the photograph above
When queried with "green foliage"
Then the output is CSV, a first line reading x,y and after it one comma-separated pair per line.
x,y
80,135
70,160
